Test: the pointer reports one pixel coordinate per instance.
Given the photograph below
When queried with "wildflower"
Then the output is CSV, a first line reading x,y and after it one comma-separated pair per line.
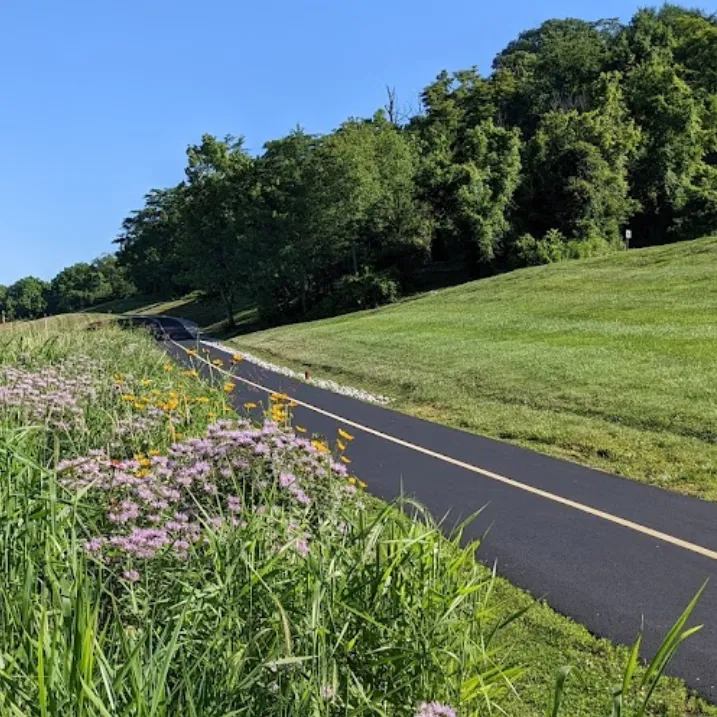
x,y
128,397
94,545
218,362
327,692
236,358
131,575
435,709
362,484
191,373
342,446
229,387
191,352
344,459
302,546
168,367
286,479
300,429
202,399
249,405
145,382
346,436
320,446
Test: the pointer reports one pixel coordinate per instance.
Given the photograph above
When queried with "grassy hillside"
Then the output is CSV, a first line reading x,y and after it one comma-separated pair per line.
x,y
611,362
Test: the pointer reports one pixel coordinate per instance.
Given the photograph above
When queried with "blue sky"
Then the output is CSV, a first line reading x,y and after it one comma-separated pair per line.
x,y
100,98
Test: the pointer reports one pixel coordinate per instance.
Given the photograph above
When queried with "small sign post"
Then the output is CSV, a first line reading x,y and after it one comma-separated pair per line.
x,y
628,236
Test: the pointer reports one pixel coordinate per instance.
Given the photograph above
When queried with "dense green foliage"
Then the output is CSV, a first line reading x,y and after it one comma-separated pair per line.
x,y
581,131
74,288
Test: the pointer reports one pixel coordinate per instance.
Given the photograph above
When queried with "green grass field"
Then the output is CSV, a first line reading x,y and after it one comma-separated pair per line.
x,y
610,362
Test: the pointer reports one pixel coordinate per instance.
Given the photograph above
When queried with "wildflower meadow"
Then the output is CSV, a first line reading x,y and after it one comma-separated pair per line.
x,y
162,555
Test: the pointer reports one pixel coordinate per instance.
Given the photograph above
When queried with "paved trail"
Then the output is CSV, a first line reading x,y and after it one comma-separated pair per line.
x,y
606,551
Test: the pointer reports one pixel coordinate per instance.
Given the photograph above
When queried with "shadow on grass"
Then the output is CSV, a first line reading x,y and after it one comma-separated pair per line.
x,y
209,313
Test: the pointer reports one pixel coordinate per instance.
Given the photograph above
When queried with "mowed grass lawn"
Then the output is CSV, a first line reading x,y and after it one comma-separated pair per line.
x,y
610,362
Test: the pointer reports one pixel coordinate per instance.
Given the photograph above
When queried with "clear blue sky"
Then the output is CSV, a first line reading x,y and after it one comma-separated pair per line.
x,y
100,97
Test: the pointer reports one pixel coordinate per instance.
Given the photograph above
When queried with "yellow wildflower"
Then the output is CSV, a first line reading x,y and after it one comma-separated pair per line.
x,y
193,372
211,414
154,452
171,405
236,358
345,436
218,362
145,382
202,399
345,459
128,397
320,446
362,484
250,404
300,429
351,480
168,367
140,406
229,387
342,446
191,352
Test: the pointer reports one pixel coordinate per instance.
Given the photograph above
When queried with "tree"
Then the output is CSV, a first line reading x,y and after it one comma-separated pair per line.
x,y
576,171
216,245
150,243
27,298
5,309
470,168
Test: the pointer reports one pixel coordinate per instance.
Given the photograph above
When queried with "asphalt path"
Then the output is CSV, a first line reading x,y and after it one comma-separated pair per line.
x,y
610,553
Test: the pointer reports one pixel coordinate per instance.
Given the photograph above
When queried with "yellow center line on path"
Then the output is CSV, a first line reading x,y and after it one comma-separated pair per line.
x,y
616,519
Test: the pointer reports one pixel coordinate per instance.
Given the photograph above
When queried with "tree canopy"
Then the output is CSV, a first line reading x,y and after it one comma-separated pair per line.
x,y
580,131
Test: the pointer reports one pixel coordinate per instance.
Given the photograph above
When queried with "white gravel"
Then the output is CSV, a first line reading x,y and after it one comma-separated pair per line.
x,y
358,393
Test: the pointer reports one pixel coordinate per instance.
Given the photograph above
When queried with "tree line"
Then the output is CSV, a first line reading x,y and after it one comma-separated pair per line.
x,y
580,131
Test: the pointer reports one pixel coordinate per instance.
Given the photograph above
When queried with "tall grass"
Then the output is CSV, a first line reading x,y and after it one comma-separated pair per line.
x,y
342,606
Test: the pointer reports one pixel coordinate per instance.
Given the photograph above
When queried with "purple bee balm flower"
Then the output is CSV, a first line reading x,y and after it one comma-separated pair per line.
x,y
435,709
327,692
303,498
94,545
131,575
286,479
302,546
234,504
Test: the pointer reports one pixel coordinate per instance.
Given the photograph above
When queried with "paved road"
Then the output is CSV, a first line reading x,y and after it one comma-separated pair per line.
x,y
604,574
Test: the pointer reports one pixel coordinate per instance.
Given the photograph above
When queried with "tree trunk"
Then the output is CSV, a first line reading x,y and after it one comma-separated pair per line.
x,y
228,300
